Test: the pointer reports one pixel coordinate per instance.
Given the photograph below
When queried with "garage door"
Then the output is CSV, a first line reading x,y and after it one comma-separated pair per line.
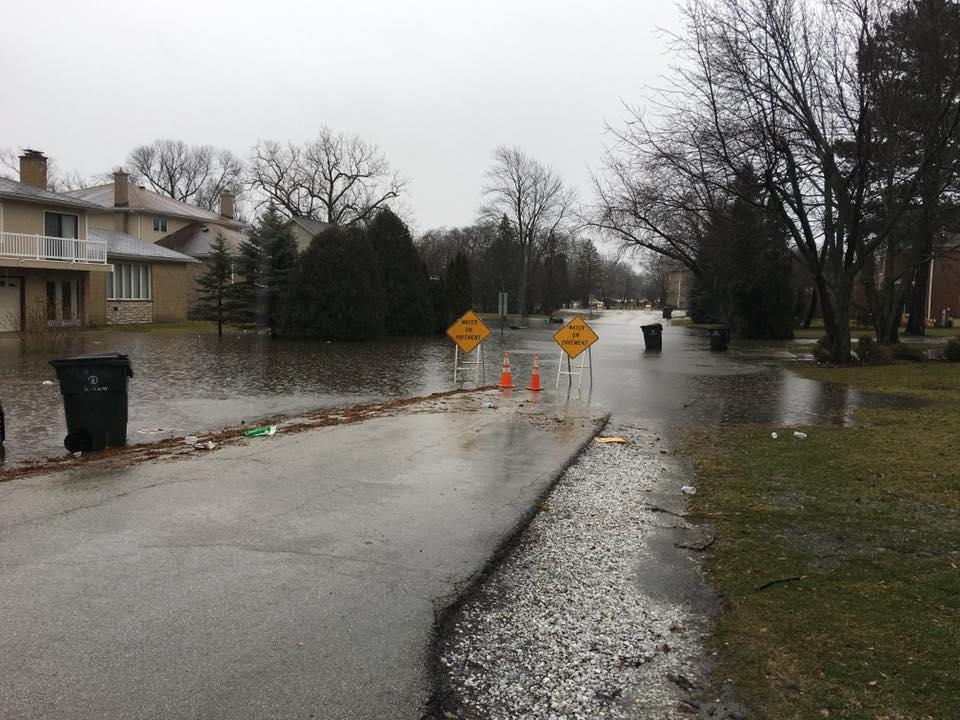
x,y
9,304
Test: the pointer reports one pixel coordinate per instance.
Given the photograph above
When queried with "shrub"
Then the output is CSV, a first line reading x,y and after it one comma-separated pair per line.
x,y
952,351
871,352
913,353
39,336
821,350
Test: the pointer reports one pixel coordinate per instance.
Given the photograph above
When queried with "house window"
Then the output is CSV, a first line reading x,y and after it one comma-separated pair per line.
x,y
60,225
159,223
129,281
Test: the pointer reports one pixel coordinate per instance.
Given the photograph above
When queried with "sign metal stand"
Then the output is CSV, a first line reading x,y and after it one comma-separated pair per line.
x,y
586,363
575,339
461,365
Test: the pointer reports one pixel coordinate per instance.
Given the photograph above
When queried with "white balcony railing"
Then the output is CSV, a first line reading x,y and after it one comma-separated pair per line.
x,y
44,247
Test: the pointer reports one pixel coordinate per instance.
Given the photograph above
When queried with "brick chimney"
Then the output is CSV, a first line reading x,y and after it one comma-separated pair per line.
x,y
33,168
226,204
121,189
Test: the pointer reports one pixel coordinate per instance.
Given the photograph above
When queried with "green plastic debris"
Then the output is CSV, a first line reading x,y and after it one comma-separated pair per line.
x,y
262,430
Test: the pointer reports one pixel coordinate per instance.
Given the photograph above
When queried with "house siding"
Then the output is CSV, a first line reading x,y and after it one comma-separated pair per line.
x,y
945,294
27,218
137,224
170,286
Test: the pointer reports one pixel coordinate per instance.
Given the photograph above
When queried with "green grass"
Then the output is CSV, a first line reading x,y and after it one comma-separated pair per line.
x,y
869,517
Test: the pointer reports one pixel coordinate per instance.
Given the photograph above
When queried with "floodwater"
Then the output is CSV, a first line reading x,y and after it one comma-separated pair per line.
x,y
186,383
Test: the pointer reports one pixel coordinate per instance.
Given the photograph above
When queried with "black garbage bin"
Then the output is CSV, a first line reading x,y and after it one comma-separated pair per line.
x,y
653,336
667,312
719,338
94,389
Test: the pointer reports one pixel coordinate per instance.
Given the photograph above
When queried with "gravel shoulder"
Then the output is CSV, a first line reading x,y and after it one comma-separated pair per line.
x,y
599,609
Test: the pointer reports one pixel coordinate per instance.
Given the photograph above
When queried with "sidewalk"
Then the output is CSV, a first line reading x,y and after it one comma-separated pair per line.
x,y
292,576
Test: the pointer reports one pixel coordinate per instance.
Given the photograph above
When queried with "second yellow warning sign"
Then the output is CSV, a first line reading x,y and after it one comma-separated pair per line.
x,y
575,337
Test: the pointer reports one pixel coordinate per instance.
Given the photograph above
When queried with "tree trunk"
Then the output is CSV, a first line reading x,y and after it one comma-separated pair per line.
x,y
522,285
836,316
812,310
916,319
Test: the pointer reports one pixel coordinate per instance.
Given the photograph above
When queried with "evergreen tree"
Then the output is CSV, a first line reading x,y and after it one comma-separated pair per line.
x,y
216,300
438,301
263,266
588,271
745,265
334,292
459,289
280,258
248,281
402,276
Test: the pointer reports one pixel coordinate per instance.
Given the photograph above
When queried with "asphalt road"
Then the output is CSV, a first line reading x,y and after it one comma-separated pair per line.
x,y
293,577
298,576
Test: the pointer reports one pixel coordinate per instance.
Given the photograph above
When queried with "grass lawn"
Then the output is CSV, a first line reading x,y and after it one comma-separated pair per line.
x,y
869,518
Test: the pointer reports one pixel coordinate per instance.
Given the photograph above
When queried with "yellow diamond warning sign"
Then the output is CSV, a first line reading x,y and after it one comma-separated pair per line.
x,y
468,331
575,337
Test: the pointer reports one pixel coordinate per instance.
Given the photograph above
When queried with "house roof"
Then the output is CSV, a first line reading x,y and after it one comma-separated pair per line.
x,y
123,246
196,239
314,227
29,193
144,200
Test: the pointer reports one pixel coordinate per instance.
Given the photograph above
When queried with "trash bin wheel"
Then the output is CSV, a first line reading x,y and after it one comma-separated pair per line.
x,y
78,441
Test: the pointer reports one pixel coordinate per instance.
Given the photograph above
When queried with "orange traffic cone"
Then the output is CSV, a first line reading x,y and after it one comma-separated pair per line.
x,y
535,375
506,379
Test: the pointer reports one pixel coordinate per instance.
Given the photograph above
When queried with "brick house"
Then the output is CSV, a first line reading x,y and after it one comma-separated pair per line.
x,y
61,266
51,271
173,229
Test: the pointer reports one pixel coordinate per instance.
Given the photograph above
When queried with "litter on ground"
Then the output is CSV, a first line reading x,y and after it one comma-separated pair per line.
x,y
799,435
604,440
774,435
262,430
205,445
688,490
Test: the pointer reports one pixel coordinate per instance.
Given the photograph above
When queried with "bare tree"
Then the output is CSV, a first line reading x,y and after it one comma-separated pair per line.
x,y
784,88
657,191
535,202
195,174
336,177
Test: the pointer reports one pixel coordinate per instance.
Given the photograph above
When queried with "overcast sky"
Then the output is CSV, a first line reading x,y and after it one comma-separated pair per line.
x,y
436,84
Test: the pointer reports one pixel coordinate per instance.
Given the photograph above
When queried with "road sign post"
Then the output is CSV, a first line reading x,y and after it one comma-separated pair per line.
x,y
575,340
468,332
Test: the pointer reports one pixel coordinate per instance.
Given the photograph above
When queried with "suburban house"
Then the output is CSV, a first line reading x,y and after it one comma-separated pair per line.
x,y
171,229
50,269
59,265
304,230
146,215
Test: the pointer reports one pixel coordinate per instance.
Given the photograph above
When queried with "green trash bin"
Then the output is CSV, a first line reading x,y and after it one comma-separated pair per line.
x,y
719,338
652,336
94,389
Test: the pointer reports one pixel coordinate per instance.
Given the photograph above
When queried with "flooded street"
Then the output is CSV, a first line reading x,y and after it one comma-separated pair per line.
x,y
185,382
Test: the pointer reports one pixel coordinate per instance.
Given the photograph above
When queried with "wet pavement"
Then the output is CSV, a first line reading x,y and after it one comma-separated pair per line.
x,y
295,576
187,382
301,573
